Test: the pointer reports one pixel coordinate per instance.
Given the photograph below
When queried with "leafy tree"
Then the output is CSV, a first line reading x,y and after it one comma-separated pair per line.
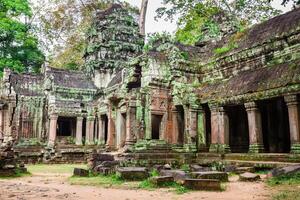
x,y
295,2
18,46
198,15
62,24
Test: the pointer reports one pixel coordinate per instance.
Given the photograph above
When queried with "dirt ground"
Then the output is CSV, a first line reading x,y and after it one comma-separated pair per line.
x,y
51,186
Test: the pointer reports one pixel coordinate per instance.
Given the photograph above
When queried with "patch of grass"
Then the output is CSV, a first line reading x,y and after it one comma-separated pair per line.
x,y
293,179
287,187
18,174
99,180
154,173
287,195
54,168
147,185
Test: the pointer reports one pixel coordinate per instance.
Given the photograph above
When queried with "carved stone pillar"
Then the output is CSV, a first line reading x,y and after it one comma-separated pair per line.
x,y
219,130
110,144
201,130
255,128
294,121
101,131
52,130
1,123
89,140
79,130
131,124
191,136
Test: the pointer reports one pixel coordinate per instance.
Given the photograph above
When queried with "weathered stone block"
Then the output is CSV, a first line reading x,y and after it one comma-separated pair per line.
x,y
202,184
161,180
247,176
133,173
285,170
241,170
80,172
221,176
178,175
198,168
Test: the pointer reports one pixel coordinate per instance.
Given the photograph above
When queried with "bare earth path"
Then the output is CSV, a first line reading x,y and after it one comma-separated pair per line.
x,y
50,186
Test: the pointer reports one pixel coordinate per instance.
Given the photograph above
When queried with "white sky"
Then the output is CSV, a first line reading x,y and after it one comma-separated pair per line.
x,y
161,25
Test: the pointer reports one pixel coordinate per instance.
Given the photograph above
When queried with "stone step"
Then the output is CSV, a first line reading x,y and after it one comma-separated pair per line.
x,y
161,180
202,184
133,173
213,175
241,170
249,177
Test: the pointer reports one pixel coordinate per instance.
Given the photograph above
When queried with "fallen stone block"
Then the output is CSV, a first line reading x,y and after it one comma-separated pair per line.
x,y
161,180
292,169
167,167
80,172
133,173
202,184
178,175
221,176
241,170
250,177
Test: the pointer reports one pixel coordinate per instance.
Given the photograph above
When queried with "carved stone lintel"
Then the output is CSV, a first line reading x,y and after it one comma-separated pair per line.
x,y
291,100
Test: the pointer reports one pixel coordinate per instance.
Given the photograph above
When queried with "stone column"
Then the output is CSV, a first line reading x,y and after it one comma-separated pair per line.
x,y
201,130
131,124
110,144
294,121
219,130
52,130
89,140
101,132
79,130
1,123
192,130
255,128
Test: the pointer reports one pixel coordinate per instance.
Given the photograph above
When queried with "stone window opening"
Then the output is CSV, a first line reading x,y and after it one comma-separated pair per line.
x,y
238,129
156,121
275,125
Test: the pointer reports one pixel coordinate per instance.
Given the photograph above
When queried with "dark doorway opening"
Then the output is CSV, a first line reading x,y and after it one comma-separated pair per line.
x,y
104,120
66,126
207,124
180,124
156,126
275,125
238,129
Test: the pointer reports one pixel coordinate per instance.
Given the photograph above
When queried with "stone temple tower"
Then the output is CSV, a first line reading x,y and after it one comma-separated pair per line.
x,y
113,40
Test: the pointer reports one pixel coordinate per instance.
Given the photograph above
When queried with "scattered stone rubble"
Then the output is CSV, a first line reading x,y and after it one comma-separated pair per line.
x,y
8,161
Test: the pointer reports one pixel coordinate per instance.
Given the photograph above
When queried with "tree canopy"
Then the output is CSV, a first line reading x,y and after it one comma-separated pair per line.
x,y
18,46
198,15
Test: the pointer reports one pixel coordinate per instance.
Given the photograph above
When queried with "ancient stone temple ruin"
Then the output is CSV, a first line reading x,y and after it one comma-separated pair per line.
x,y
173,98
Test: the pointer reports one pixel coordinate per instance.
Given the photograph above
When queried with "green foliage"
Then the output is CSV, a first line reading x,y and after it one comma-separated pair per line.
x,y
185,167
225,49
154,173
217,166
29,142
198,19
18,46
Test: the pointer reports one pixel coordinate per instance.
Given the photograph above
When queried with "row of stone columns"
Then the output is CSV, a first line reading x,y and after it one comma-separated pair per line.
x,y
220,127
79,130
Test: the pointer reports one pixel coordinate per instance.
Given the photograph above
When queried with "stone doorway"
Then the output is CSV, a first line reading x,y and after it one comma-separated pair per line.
x,y
275,125
207,125
156,121
180,124
238,129
66,126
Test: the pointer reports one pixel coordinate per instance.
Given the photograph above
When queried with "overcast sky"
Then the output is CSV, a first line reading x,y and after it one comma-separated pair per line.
x,y
161,25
